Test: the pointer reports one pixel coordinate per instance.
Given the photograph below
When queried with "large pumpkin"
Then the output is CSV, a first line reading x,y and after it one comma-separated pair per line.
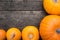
x,y
50,28
52,6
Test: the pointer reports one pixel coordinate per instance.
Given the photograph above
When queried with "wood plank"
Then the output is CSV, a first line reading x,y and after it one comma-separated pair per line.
x,y
20,19
17,0
21,5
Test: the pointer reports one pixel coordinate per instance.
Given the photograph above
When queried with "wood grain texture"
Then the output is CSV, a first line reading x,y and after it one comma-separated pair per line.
x,y
18,5
20,19
22,11
18,0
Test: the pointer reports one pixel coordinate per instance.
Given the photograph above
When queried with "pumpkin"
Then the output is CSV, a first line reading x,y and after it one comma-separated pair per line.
x,y
30,33
52,6
2,34
50,27
13,34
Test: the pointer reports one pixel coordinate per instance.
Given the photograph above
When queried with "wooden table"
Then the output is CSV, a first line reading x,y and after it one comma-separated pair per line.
x,y
20,13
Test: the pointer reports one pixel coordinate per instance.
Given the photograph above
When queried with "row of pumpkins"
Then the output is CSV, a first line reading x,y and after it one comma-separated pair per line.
x,y
49,28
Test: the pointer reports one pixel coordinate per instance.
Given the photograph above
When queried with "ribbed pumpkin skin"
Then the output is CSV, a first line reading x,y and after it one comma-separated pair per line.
x,y
48,27
30,30
13,34
52,6
2,34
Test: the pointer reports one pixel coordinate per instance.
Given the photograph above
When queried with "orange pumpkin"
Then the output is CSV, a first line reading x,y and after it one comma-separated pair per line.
x,y
2,34
30,33
52,6
50,28
13,34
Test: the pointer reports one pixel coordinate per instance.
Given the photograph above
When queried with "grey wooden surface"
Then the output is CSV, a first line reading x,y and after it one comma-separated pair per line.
x,y
21,13
20,19
21,5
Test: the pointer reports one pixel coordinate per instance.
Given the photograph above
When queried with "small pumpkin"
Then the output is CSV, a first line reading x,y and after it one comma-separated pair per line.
x,y
13,34
52,6
50,28
30,33
2,34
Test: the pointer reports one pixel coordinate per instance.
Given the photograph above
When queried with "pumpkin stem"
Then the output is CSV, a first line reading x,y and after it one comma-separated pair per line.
x,y
30,36
55,1
12,36
58,31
